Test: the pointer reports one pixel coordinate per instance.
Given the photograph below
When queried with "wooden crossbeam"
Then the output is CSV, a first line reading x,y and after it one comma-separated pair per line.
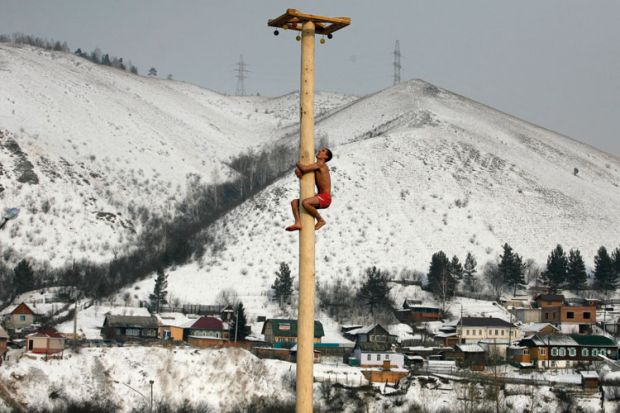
x,y
293,20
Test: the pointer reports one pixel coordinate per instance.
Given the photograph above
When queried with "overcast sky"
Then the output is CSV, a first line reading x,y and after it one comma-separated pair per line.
x,y
555,63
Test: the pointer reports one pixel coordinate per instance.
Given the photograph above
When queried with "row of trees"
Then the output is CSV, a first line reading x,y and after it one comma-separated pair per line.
x,y
20,38
563,271
569,271
96,56
100,58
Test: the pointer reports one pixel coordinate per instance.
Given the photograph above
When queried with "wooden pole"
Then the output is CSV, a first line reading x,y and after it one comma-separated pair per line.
x,y
305,322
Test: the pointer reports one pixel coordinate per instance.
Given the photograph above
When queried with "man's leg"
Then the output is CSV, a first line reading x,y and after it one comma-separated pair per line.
x,y
297,225
311,206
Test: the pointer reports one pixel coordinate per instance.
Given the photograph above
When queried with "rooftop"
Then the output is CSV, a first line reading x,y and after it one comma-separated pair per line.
x,y
130,321
484,322
470,348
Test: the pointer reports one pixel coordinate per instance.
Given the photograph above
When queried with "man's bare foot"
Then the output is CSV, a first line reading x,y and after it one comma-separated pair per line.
x,y
294,227
319,224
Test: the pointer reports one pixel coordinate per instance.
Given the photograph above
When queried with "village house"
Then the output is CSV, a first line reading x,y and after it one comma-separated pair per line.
x,y
371,334
577,318
446,336
562,351
172,326
531,329
45,341
209,326
283,332
22,316
519,301
374,354
527,315
549,300
414,311
471,330
129,327
472,356
493,334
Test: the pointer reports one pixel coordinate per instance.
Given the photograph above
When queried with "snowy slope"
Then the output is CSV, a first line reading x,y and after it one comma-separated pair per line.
x,y
84,147
418,169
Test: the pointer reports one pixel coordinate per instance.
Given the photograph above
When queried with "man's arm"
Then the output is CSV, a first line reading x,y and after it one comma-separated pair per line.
x,y
308,168
298,172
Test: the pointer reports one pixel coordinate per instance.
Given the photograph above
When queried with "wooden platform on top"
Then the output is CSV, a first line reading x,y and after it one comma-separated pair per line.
x,y
294,19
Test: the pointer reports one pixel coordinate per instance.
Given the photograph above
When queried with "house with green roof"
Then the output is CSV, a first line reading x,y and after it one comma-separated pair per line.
x,y
563,350
283,332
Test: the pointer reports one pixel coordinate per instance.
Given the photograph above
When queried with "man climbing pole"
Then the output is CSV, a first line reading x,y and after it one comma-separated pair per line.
x,y
323,198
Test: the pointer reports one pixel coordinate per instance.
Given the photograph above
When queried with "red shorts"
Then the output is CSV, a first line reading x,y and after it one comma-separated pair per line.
x,y
325,200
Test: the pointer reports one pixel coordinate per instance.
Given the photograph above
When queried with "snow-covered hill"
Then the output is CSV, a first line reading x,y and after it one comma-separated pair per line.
x,y
418,169
86,149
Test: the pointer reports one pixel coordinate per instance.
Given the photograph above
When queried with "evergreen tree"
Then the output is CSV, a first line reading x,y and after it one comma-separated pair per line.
x,y
283,285
24,277
469,272
615,256
456,269
440,281
555,276
158,297
605,277
238,326
375,292
106,60
133,69
576,271
511,268
518,273
152,72
95,56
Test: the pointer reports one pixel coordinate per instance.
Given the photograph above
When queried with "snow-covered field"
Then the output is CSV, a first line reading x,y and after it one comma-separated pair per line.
x,y
225,378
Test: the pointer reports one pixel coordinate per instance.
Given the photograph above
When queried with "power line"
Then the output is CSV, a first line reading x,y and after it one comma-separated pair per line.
x,y
397,63
241,71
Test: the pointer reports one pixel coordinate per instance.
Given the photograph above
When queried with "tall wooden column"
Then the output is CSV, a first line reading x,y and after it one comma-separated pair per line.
x,y
305,327
309,25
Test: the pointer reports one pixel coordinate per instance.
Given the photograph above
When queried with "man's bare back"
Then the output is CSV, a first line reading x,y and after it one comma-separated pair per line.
x,y
323,183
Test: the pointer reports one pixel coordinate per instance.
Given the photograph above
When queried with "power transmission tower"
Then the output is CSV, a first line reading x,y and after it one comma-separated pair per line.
x,y
241,71
397,63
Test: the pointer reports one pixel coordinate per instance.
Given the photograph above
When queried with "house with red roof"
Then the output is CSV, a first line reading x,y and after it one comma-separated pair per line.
x,y
45,341
209,326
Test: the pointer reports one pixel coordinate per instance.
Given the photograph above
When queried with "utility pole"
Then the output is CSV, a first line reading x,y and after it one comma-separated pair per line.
x,y
241,71
397,63
236,323
309,25
75,315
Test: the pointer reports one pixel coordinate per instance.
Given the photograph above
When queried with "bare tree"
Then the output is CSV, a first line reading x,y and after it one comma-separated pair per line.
x,y
494,278
227,296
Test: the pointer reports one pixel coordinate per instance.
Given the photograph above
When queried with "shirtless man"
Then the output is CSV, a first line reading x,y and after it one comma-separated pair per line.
x,y
323,183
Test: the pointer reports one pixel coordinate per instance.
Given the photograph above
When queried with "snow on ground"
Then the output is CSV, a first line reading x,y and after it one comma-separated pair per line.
x,y
222,378
471,307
